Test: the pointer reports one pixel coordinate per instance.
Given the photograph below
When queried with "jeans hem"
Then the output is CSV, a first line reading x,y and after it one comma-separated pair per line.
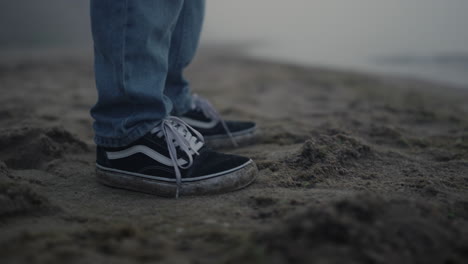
x,y
182,105
134,135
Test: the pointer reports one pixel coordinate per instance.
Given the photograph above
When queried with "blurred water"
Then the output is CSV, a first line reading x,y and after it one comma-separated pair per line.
x,y
422,38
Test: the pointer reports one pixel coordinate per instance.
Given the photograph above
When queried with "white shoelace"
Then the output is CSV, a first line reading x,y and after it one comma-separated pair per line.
x,y
179,134
210,111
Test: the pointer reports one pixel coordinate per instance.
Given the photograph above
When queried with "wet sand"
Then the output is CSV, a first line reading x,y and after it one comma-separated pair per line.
x,y
354,168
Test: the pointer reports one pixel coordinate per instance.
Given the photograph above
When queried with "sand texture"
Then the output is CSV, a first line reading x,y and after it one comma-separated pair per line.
x,y
352,169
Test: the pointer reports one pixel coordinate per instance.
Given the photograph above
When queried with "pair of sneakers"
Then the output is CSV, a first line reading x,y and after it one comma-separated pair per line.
x,y
175,158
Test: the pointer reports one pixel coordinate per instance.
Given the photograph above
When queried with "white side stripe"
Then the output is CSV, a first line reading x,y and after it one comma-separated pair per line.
x,y
200,124
144,150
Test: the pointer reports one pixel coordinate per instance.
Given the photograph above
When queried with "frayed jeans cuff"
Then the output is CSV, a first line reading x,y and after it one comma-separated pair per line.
x,y
135,134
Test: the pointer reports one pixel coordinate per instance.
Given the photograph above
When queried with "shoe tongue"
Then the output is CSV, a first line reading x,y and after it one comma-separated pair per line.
x,y
194,143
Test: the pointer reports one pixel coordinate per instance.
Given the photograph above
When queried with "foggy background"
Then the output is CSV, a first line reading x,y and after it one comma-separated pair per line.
x,y
421,38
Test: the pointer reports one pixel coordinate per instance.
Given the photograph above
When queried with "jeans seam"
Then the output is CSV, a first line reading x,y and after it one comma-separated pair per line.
x,y
124,40
124,76
181,35
179,64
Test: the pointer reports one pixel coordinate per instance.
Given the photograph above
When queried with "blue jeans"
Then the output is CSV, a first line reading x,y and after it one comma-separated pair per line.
x,y
141,48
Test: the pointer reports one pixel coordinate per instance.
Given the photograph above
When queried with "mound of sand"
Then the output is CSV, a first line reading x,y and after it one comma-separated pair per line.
x,y
367,229
19,199
328,155
31,147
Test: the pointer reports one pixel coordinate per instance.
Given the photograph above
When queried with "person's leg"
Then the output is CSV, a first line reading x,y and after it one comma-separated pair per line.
x,y
199,114
139,146
184,45
132,39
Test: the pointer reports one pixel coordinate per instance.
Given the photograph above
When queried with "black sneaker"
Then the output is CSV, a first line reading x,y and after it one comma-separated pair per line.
x,y
171,160
217,132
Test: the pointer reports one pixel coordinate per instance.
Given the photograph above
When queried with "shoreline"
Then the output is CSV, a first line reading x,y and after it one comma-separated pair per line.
x,y
220,50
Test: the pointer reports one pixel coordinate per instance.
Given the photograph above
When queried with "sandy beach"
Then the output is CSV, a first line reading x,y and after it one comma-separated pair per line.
x,y
353,168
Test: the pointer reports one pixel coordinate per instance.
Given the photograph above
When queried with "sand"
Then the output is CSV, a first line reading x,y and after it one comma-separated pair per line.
x,y
354,168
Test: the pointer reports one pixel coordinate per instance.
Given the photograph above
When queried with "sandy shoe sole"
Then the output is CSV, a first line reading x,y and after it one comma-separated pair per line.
x,y
228,182
223,141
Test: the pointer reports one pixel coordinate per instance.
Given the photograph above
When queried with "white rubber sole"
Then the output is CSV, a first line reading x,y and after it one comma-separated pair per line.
x,y
221,183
